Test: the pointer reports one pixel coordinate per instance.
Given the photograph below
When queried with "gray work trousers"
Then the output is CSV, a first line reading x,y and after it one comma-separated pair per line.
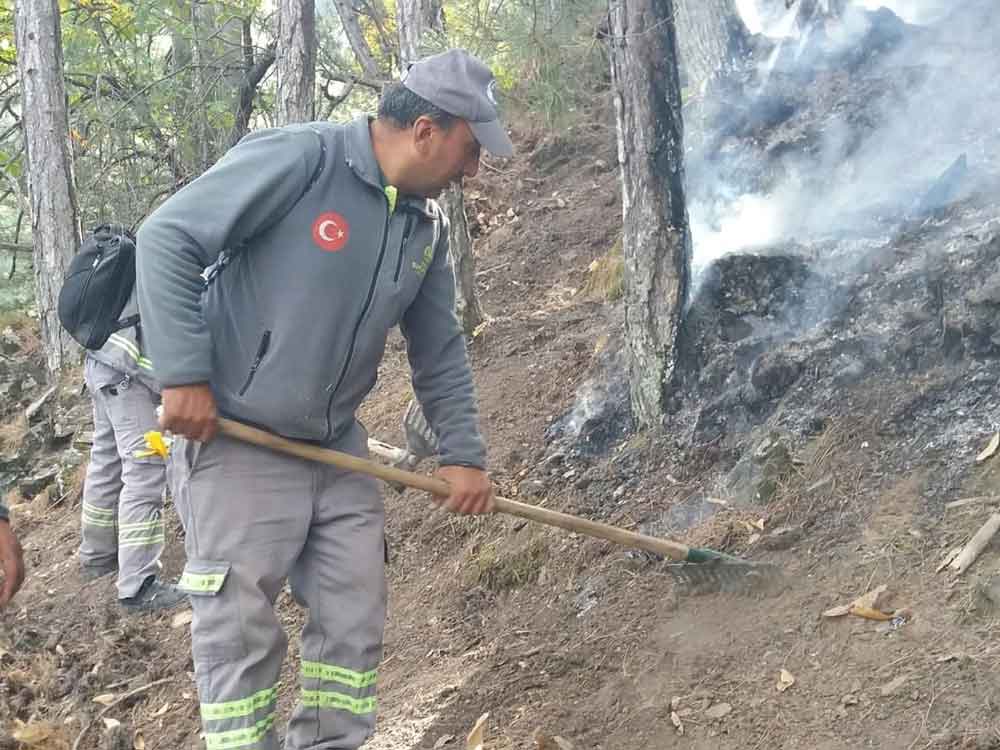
x,y
254,518
122,515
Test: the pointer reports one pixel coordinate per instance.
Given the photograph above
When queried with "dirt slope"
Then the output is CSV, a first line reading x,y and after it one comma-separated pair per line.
x,y
879,411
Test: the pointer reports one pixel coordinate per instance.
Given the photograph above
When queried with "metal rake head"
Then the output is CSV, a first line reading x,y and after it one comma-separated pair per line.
x,y
729,576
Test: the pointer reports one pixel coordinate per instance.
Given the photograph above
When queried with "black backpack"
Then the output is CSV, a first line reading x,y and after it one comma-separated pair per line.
x,y
98,285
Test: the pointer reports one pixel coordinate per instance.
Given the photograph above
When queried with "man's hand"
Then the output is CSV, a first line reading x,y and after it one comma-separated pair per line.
x,y
189,410
11,564
471,489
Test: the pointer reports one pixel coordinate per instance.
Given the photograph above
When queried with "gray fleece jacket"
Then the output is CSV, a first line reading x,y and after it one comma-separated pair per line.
x,y
124,351
290,327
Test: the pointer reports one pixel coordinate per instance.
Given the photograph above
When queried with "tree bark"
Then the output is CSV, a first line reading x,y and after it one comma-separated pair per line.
x,y
54,218
296,61
254,69
656,239
467,307
352,28
417,20
711,38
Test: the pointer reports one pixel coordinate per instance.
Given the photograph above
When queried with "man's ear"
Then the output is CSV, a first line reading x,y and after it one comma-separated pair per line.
x,y
423,133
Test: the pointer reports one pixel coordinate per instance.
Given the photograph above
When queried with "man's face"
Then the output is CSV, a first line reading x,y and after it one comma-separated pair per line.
x,y
442,155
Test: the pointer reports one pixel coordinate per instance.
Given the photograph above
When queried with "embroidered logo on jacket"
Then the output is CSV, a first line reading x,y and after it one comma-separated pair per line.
x,y
331,231
421,266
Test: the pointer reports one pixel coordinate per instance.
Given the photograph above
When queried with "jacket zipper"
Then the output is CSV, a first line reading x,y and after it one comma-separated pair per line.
x,y
402,247
265,341
357,326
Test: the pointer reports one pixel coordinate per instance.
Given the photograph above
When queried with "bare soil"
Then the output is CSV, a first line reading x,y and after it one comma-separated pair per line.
x,y
554,634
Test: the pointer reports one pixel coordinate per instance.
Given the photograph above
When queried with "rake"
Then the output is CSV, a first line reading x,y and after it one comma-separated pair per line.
x,y
697,569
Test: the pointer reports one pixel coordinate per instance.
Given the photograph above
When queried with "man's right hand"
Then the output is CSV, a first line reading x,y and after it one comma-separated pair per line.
x,y
189,410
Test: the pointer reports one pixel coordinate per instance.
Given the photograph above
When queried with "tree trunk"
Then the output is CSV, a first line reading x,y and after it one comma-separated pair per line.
x,y
656,239
470,312
711,38
255,67
296,61
417,20
54,224
352,28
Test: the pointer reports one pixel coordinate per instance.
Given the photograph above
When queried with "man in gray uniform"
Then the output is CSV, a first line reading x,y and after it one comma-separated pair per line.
x,y
11,559
123,493
331,238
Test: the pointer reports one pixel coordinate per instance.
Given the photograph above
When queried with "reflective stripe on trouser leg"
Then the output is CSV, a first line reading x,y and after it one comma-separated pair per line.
x,y
132,410
101,487
340,577
246,515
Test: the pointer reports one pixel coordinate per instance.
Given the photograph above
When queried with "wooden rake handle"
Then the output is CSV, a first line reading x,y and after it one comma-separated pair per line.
x,y
248,434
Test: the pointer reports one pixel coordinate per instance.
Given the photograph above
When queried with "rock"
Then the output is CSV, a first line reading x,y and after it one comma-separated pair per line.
x,y
34,484
10,391
10,342
987,293
34,410
774,372
756,476
719,711
893,687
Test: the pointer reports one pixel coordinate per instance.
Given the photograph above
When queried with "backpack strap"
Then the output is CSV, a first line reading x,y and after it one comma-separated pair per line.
x,y
227,255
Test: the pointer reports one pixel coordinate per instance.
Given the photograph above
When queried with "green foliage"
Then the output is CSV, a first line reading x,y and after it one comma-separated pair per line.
x,y
154,86
544,54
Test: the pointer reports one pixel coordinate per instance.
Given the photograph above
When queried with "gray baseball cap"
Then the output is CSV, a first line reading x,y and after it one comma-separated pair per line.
x,y
463,86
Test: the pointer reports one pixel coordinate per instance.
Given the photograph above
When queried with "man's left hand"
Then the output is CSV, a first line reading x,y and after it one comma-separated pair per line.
x,y
471,489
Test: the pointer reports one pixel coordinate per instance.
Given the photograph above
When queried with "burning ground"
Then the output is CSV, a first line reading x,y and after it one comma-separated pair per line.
x,y
837,379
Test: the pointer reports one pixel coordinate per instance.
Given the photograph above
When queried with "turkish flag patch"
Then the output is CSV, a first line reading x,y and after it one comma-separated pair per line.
x,y
331,231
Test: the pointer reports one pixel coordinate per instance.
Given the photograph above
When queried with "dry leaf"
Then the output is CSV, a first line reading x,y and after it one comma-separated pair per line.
x,y
182,618
785,680
839,611
110,723
871,614
869,600
678,724
105,700
139,743
990,448
476,738
562,743
443,740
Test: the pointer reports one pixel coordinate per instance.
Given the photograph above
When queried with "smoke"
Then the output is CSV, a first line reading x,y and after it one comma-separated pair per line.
x,y
872,111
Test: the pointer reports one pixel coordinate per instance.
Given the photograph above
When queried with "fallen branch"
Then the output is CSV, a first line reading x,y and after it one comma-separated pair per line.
x,y
971,501
976,545
102,714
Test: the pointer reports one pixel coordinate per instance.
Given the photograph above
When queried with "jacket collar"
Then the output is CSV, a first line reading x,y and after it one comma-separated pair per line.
x,y
360,157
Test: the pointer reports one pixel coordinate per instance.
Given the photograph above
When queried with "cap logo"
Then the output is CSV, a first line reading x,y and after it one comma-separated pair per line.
x,y
491,92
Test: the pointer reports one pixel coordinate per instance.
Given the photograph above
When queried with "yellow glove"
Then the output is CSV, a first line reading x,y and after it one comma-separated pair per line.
x,y
156,445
